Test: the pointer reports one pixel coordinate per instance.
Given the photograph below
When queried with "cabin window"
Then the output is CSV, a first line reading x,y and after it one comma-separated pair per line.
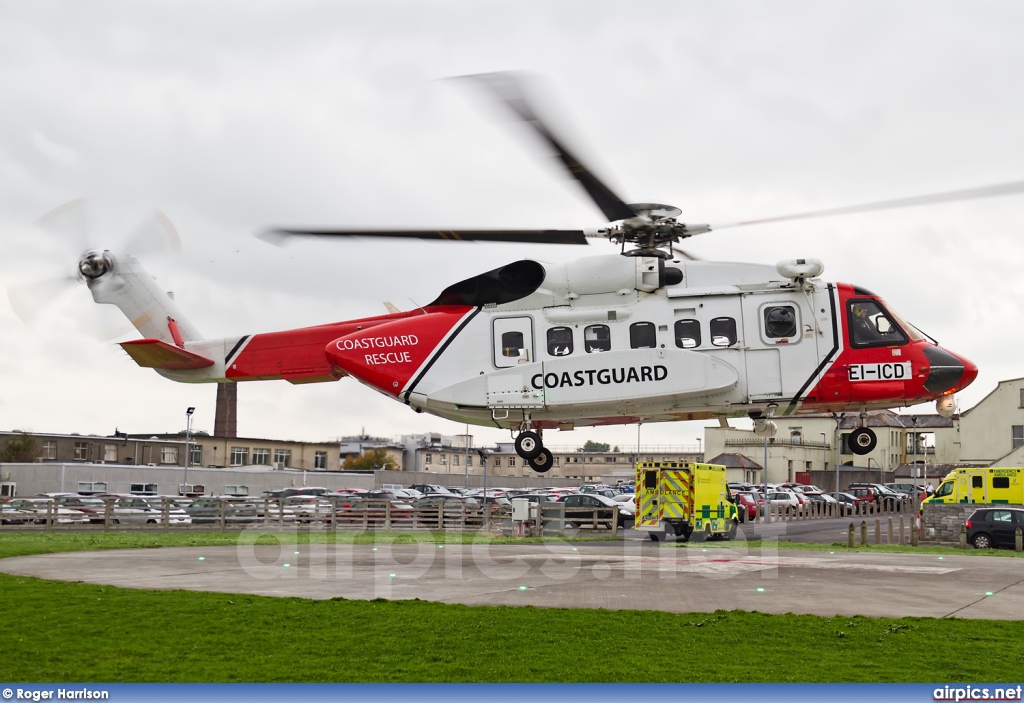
x,y
779,321
1000,482
560,341
977,482
870,326
512,344
687,334
597,338
642,335
723,331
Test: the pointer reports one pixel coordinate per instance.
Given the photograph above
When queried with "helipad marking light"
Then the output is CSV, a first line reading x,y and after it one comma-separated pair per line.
x,y
391,576
760,590
202,558
287,565
522,588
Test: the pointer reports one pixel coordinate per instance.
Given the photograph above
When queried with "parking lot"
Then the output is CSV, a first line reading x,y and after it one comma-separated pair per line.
x,y
628,574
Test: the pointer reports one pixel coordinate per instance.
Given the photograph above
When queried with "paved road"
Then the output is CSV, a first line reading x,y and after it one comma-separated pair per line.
x,y
632,574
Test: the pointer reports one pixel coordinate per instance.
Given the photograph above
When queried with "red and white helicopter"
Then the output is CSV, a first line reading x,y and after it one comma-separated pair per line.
x,y
645,335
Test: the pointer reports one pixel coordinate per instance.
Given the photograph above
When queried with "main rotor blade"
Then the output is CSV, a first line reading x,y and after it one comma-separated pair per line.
x,y
914,201
520,236
507,86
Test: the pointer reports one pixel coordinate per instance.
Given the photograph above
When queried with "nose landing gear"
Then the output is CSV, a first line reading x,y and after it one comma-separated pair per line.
x,y
863,441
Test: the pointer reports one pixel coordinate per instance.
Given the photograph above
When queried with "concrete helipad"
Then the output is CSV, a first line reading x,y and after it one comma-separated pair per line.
x,y
616,575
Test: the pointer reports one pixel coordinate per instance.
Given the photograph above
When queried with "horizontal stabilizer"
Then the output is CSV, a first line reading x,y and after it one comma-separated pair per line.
x,y
154,354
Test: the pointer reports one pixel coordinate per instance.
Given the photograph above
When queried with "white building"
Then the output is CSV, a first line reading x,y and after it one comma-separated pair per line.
x,y
994,428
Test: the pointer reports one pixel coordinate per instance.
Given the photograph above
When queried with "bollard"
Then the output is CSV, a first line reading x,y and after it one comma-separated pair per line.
x,y
913,532
1017,545
890,529
863,532
849,536
963,536
878,531
903,536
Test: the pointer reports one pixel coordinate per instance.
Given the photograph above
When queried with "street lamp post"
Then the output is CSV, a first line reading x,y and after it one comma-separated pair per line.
x,y
824,452
467,456
188,439
839,420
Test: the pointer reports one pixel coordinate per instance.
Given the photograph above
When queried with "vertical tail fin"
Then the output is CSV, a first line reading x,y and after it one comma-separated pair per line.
x,y
120,280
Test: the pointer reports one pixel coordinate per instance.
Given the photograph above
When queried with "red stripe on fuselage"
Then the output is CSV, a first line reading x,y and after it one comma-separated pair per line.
x,y
301,352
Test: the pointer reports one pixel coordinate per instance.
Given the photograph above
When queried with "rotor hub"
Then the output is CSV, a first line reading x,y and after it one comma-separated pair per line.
x,y
94,265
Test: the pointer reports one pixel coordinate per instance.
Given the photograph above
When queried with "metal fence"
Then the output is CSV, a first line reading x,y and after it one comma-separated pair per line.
x,y
169,514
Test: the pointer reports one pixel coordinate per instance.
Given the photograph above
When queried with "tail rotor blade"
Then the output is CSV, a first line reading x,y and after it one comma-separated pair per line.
x,y
29,300
154,236
69,219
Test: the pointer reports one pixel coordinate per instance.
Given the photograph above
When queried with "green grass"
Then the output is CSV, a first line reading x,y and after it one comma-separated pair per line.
x,y
63,632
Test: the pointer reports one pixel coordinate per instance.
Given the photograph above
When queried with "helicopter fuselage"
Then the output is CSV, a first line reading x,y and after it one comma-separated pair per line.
x,y
600,341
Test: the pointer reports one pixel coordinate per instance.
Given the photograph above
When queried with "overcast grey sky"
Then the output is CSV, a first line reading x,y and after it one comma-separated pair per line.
x,y
233,117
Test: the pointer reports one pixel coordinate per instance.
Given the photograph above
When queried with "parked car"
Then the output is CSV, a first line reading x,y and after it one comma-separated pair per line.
x,y
137,510
881,498
308,508
9,515
92,506
429,488
209,511
908,489
372,512
580,510
849,504
44,508
747,506
994,527
783,500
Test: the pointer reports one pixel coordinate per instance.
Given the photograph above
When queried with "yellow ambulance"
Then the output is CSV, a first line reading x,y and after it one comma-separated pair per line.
x,y
980,485
683,499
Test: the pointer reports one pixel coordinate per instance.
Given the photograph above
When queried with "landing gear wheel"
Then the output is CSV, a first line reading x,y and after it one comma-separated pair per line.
x,y
528,445
862,441
543,461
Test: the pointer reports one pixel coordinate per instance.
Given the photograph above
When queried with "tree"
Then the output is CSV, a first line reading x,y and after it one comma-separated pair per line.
x,y
591,446
22,448
370,460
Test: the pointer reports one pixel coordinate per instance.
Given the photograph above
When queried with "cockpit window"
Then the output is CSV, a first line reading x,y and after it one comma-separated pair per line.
x,y
871,326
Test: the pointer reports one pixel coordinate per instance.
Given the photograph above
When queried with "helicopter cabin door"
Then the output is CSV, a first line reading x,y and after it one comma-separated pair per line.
x,y
778,357
512,341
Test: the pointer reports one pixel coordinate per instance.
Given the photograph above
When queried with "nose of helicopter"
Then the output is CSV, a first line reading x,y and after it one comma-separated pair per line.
x,y
947,372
